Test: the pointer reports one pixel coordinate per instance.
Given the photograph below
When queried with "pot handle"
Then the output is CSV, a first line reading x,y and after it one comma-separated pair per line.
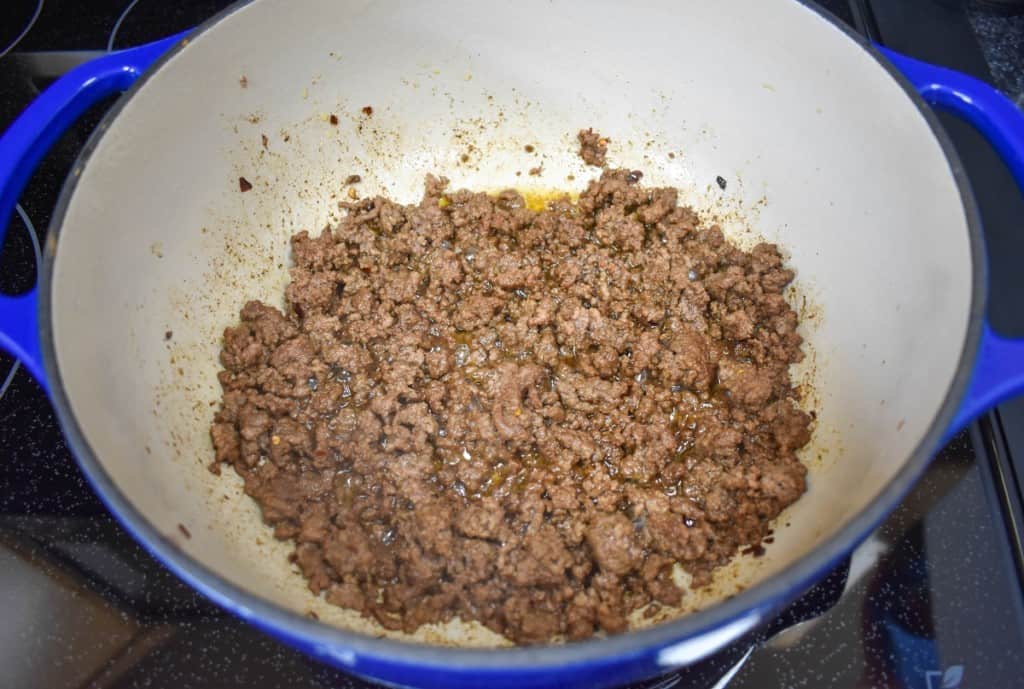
x,y
999,368
23,145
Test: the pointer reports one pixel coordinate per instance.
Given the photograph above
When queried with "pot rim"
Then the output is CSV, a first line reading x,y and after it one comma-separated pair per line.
x,y
756,602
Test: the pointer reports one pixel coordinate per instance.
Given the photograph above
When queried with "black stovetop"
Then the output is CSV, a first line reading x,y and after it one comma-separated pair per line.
x,y
934,597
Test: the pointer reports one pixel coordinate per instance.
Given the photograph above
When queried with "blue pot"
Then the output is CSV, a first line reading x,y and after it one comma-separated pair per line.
x,y
991,367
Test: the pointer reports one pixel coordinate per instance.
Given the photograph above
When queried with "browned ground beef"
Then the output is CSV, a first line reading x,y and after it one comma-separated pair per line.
x,y
523,418
593,147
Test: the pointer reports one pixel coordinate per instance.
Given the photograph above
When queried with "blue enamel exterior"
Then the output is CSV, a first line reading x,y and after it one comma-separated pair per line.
x,y
24,144
999,368
998,373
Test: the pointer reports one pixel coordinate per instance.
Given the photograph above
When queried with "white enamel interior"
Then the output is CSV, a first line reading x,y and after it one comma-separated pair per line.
x,y
822,150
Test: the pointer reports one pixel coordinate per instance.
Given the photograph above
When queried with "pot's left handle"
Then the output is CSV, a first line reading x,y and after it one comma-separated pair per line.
x,y
24,144
999,368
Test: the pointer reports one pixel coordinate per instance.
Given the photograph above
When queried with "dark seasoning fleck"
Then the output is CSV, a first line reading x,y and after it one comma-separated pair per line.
x,y
244,185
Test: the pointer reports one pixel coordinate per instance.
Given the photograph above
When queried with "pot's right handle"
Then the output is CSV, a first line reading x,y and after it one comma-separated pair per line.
x,y
24,144
999,368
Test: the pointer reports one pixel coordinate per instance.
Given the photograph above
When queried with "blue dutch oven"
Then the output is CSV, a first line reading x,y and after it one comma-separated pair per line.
x,y
152,235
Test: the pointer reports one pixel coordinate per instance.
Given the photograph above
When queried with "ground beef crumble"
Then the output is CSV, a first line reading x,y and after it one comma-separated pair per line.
x,y
593,147
523,418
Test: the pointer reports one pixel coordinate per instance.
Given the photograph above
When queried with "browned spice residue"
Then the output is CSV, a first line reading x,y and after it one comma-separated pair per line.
x,y
334,119
367,110
184,531
244,185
